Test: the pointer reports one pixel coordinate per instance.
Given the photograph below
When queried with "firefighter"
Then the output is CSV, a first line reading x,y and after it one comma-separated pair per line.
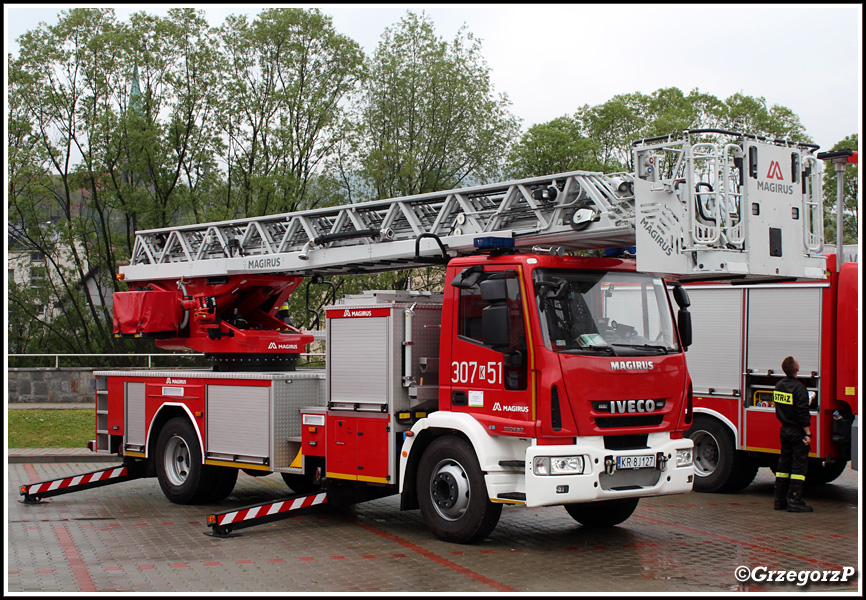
x,y
795,435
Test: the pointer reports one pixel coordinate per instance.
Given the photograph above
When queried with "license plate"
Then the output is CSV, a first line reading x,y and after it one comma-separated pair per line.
x,y
647,461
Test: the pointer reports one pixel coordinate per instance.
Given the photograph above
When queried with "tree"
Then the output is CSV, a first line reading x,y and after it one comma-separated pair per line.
x,y
60,91
429,118
93,160
288,74
557,146
850,215
748,114
608,130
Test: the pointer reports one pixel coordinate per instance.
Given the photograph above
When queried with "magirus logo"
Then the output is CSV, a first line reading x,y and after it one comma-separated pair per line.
x,y
357,313
624,365
520,409
276,346
171,381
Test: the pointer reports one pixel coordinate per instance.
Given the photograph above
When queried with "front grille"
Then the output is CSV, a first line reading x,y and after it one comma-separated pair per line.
x,y
628,421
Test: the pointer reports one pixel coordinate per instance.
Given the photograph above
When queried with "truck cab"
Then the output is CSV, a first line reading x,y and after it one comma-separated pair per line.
x,y
567,378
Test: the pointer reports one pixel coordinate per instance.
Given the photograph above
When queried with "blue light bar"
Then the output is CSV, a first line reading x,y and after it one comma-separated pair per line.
x,y
490,243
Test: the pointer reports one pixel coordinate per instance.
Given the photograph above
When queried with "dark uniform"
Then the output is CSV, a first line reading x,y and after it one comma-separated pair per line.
x,y
792,410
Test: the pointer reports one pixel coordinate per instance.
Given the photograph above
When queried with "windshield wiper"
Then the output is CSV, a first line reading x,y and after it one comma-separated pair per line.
x,y
662,349
590,349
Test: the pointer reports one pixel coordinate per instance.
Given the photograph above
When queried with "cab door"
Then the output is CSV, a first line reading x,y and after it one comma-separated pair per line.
x,y
490,362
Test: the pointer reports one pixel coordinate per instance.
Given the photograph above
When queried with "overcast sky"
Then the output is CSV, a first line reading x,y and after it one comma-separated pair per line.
x,y
551,59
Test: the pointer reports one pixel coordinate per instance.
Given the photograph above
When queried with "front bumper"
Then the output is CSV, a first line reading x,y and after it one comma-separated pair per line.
x,y
601,480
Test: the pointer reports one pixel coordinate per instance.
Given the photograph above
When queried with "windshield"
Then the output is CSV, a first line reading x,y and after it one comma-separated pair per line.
x,y
620,314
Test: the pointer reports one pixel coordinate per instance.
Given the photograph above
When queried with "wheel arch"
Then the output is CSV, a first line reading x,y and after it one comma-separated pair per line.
x,y
164,414
489,450
718,416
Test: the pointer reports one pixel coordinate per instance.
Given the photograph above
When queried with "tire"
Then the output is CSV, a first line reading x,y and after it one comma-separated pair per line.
x,y
745,469
224,482
452,494
179,469
823,471
719,467
605,513
301,484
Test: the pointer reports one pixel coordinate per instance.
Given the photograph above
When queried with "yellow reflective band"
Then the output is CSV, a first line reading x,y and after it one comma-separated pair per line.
x,y
783,398
783,475
799,477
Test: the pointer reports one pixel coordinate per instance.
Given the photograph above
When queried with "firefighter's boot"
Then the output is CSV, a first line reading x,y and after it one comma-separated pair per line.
x,y
781,493
795,498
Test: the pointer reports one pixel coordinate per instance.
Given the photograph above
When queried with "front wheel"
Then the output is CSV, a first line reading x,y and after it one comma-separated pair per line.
x,y
452,494
604,513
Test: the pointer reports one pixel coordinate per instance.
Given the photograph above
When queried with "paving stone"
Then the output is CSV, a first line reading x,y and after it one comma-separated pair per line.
x,y
129,538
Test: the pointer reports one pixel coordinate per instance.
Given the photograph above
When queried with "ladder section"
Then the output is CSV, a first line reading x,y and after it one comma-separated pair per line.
x,y
709,204
577,210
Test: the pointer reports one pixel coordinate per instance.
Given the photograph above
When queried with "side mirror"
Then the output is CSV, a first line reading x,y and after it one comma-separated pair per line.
x,y
681,296
495,331
494,290
684,326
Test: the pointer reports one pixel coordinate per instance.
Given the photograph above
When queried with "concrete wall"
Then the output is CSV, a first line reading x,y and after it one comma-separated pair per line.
x,y
50,385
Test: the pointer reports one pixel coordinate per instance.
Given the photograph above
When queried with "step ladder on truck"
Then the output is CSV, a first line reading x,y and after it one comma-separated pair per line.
x,y
535,378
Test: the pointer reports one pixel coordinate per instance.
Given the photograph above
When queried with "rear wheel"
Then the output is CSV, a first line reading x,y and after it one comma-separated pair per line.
x,y
605,513
301,484
823,470
224,482
179,469
452,494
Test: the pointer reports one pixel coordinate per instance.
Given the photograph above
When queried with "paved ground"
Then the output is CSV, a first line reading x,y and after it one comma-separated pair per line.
x,y
129,538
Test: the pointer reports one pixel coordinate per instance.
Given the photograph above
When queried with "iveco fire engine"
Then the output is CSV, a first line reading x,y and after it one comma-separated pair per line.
x,y
534,378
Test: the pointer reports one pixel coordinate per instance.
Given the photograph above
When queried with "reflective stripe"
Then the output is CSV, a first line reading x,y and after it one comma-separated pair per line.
x,y
799,477
783,475
783,398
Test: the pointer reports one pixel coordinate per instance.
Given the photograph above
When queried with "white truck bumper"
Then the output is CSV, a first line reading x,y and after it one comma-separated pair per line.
x,y
609,474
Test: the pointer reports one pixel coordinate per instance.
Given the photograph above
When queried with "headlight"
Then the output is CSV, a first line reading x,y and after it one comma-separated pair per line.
x,y
566,465
557,465
684,457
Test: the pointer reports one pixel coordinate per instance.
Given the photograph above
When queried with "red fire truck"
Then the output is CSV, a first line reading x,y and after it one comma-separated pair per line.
x,y
741,336
534,378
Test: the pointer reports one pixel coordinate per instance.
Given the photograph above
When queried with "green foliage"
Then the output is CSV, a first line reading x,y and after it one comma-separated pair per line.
x,y
850,183
428,117
288,73
600,137
554,147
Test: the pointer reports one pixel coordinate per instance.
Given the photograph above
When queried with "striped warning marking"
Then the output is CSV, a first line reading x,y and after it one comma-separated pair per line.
x,y
266,510
59,484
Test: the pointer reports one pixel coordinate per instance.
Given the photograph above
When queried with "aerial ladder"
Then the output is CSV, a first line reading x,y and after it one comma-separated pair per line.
x,y
707,204
701,205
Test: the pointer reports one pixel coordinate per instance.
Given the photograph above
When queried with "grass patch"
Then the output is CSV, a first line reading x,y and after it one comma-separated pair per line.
x,y
53,428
